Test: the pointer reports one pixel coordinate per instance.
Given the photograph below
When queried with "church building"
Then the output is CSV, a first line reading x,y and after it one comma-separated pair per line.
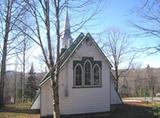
x,y
86,84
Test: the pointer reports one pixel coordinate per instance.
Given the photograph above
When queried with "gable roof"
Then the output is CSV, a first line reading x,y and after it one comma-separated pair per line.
x,y
100,51
65,55
69,52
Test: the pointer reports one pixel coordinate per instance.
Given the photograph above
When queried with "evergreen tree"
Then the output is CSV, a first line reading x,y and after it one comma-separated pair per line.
x,y
31,87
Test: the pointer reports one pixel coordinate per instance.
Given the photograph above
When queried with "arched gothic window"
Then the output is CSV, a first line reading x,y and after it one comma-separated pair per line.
x,y
87,71
78,75
96,71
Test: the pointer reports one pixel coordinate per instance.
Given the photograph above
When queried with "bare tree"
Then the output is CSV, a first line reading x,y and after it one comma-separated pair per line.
x,y
117,50
138,88
151,81
149,13
46,15
15,83
22,51
9,12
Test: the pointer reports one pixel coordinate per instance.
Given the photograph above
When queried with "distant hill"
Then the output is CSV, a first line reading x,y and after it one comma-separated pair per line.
x,y
140,82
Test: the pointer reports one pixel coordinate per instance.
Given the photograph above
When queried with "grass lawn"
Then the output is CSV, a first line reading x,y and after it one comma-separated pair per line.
x,y
18,115
127,110
18,110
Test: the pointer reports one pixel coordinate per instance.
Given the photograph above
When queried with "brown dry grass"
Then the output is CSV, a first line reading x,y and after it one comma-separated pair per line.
x,y
19,110
17,115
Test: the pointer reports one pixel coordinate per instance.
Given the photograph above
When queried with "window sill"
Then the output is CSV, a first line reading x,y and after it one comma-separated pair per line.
x,y
87,86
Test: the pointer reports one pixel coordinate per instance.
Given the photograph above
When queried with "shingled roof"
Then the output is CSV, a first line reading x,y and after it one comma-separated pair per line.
x,y
65,55
68,52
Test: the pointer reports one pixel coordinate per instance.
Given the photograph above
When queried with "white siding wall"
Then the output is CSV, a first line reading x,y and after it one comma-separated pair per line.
x,y
46,96
79,100
85,100
36,104
115,98
46,99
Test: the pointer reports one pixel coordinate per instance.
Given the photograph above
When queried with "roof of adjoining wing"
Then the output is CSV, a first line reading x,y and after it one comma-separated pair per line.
x,y
68,52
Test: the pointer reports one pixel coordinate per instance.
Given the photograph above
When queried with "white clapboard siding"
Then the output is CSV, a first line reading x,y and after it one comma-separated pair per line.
x,y
115,98
36,104
80,100
85,100
46,99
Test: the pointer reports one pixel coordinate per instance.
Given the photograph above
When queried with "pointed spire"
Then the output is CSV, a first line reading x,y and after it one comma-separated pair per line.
x,y
66,38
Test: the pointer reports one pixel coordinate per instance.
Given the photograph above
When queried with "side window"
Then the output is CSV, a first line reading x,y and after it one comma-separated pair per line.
x,y
78,75
87,71
96,71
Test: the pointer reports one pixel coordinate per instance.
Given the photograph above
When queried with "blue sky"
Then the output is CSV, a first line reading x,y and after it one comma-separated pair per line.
x,y
118,14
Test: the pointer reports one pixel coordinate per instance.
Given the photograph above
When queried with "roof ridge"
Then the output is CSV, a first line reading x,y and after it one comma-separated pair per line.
x,y
68,52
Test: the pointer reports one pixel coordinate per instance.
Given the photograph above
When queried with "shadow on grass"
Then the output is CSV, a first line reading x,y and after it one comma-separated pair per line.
x,y
121,111
131,111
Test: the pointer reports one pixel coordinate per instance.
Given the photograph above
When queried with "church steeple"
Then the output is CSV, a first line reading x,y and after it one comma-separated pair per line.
x,y
66,38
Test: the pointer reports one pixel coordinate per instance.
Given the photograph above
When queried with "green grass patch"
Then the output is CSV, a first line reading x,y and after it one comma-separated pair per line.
x,y
156,109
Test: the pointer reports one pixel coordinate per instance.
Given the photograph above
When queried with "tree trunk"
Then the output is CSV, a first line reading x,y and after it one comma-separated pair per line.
x,y
15,84
24,65
54,70
117,76
56,112
3,68
4,52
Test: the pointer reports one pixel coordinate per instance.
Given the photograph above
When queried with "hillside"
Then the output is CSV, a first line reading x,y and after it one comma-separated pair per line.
x,y
140,82
134,82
